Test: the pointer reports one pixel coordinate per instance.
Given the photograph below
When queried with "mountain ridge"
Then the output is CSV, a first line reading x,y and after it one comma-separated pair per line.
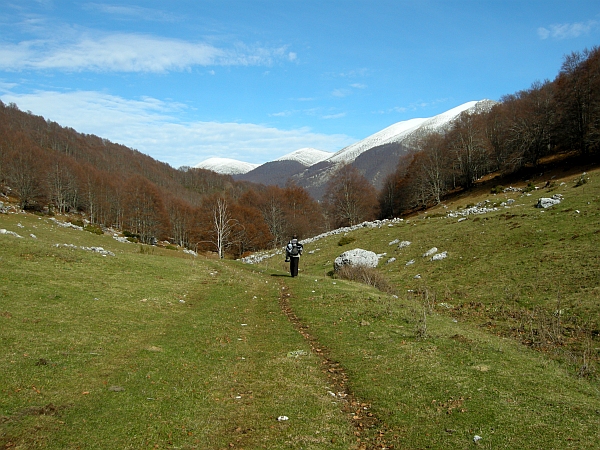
x,y
375,156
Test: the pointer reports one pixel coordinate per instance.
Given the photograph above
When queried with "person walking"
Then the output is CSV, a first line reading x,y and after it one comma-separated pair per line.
x,y
293,250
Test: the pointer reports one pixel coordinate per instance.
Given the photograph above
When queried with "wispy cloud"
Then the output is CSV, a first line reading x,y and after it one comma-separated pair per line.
x,y
567,30
125,52
415,106
131,12
341,92
354,73
150,126
335,116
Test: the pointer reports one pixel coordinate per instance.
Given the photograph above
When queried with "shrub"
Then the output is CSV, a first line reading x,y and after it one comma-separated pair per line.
x,y
346,240
78,222
93,229
366,275
171,247
530,187
498,189
581,181
131,236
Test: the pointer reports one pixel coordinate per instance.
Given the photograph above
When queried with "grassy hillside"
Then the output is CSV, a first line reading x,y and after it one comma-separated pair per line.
x,y
495,346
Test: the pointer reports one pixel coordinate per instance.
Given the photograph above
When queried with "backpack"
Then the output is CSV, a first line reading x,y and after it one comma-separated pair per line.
x,y
295,248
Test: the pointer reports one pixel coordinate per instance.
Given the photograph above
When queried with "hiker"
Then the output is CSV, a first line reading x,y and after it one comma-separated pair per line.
x,y
293,250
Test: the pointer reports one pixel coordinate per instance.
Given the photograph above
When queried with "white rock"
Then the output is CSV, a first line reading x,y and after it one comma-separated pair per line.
x,y
545,202
430,252
439,256
356,257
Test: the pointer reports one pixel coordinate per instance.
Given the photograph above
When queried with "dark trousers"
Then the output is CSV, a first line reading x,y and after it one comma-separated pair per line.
x,y
294,260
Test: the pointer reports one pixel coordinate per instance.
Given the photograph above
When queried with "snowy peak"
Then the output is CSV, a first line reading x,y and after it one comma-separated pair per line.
x,y
306,156
393,133
401,132
226,166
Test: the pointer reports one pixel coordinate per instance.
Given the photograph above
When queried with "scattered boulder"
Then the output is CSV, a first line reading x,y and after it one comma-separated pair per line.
x,y
430,252
439,256
356,257
10,233
545,202
403,244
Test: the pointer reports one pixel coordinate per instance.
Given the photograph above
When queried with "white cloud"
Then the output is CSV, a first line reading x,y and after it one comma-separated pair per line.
x,y
282,114
135,12
152,127
335,116
341,92
415,106
126,52
567,30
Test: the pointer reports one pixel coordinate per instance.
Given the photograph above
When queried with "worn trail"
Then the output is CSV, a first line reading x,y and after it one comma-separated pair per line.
x,y
369,430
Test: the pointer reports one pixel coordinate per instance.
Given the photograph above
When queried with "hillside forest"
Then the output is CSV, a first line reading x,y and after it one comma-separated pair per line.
x,y
51,169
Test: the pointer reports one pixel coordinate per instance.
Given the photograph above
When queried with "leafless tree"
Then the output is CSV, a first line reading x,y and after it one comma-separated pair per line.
x,y
350,198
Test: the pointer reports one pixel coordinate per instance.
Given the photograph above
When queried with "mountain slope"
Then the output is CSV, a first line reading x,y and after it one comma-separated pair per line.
x,y
278,172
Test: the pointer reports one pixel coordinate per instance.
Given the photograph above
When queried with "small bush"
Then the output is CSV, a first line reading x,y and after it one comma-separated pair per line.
x,y
498,189
530,187
78,222
129,235
581,181
171,247
366,275
346,240
93,229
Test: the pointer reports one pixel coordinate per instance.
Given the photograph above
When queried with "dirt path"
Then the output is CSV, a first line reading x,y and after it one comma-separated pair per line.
x,y
370,432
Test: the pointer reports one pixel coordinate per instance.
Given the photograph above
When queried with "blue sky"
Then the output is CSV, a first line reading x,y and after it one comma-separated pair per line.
x,y
256,79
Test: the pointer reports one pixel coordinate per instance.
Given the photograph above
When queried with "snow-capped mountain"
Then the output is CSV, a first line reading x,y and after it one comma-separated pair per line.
x,y
306,156
402,131
226,166
278,172
375,157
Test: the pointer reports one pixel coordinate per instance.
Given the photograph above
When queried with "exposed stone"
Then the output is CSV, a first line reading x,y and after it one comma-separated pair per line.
x,y
430,252
439,256
403,244
356,257
545,202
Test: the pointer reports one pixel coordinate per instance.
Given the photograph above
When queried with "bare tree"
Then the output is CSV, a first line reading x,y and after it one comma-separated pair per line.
x,y
225,229
469,149
350,198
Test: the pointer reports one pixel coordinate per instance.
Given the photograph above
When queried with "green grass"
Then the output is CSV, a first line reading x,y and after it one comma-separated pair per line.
x,y
154,349
146,349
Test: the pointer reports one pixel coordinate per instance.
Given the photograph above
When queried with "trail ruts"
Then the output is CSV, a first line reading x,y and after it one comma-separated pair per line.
x,y
370,432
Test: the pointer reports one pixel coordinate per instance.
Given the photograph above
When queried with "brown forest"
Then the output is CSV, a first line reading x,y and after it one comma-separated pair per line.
x,y
56,170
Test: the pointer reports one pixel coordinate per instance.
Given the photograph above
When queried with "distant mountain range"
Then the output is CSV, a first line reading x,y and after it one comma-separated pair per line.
x,y
375,156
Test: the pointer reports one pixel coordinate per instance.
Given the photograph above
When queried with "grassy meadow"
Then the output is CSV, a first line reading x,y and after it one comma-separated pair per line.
x,y
495,346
